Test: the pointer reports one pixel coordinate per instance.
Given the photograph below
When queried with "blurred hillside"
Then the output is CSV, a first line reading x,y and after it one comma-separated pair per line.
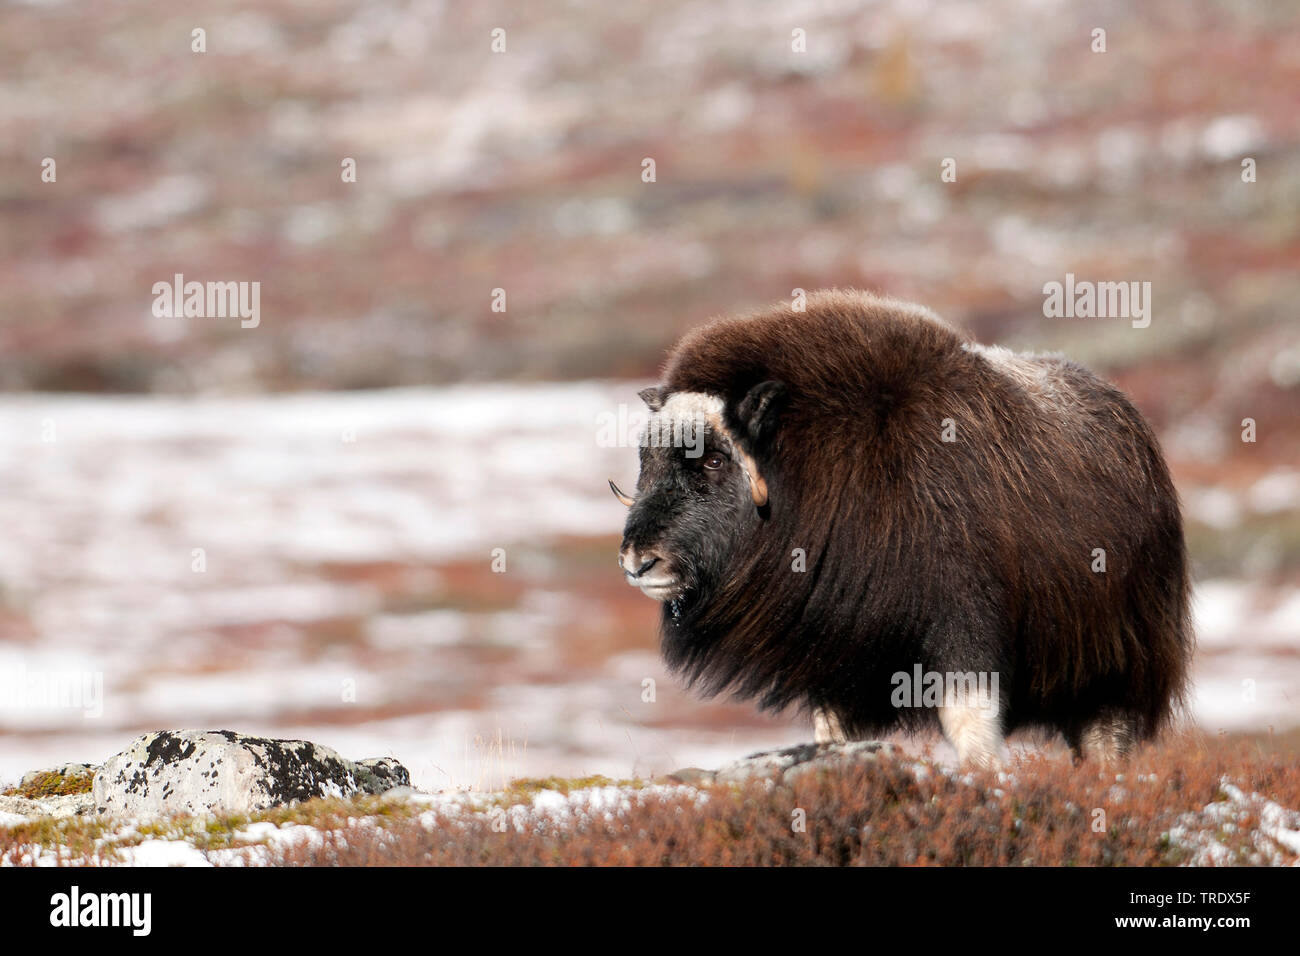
x,y
522,170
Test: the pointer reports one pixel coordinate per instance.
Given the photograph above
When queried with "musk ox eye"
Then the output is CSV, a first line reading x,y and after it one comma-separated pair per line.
x,y
714,462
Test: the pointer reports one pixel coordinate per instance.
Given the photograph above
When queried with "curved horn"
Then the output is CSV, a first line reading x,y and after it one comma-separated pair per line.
x,y
619,494
757,486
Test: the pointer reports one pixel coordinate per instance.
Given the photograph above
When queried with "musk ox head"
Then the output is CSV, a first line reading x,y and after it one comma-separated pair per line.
x,y
698,488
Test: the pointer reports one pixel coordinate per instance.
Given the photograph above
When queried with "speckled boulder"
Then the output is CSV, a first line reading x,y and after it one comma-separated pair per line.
x,y
787,765
220,771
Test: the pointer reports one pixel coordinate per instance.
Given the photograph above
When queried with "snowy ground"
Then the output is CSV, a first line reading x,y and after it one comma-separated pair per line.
x,y
288,566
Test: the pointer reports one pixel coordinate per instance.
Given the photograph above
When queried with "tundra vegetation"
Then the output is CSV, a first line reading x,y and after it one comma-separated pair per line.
x,y
1194,800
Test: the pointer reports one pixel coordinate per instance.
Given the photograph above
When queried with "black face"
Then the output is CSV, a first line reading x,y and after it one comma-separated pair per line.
x,y
690,506
698,493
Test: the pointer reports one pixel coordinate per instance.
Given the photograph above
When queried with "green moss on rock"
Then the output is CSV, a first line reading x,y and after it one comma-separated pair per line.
x,y
53,783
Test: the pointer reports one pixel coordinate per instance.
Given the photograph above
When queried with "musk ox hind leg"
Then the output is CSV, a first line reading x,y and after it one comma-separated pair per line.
x,y
1107,739
827,728
974,728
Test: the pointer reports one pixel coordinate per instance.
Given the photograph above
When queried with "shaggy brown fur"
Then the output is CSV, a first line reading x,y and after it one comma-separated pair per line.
x,y
970,555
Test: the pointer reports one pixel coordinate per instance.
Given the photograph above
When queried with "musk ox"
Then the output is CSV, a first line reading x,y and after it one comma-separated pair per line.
x,y
876,498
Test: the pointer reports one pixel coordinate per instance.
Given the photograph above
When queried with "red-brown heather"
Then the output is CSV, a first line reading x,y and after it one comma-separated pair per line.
x,y
885,814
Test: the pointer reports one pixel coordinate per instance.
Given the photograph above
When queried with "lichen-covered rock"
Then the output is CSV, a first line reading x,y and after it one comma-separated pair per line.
x,y
785,766
12,808
220,771
70,773
381,774
62,791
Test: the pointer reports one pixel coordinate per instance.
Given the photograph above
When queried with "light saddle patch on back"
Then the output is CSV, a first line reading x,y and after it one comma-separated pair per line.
x,y
1038,379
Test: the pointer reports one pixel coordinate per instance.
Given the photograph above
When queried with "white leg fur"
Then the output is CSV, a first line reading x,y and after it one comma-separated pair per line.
x,y
827,728
974,729
1107,740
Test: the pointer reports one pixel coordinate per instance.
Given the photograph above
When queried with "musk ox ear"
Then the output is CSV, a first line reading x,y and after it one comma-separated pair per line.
x,y
653,397
760,410
758,415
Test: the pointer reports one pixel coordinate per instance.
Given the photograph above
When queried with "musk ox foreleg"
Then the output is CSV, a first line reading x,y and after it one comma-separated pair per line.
x,y
827,728
1107,739
974,728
